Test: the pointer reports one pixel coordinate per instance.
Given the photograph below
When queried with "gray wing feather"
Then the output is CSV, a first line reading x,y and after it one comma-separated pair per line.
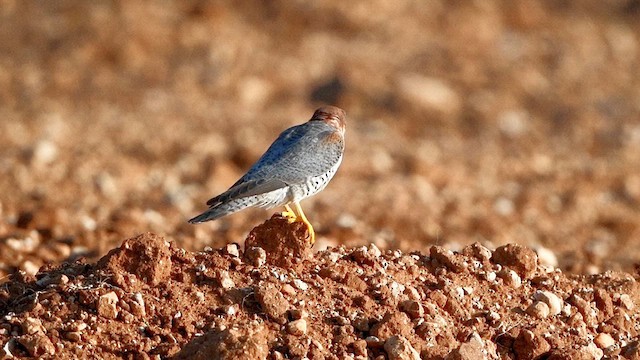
x,y
298,153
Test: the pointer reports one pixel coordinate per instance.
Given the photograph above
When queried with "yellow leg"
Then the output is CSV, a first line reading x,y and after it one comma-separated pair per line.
x,y
312,233
289,214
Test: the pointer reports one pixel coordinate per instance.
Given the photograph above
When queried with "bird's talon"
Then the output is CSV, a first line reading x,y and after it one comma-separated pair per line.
x,y
290,215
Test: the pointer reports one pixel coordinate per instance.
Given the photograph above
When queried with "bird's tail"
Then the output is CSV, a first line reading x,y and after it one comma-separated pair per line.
x,y
223,209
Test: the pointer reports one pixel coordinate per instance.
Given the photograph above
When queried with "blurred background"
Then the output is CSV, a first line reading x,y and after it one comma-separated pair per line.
x,y
490,121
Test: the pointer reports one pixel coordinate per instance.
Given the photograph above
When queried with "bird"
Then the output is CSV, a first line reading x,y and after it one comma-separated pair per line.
x,y
298,164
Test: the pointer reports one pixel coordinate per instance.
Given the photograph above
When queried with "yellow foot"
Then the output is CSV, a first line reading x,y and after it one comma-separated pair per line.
x,y
289,214
303,218
312,233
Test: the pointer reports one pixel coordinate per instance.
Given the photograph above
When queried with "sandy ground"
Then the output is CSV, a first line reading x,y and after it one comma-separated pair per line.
x,y
490,122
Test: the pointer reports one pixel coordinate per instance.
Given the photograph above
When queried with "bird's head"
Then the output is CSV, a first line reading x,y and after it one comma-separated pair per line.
x,y
333,116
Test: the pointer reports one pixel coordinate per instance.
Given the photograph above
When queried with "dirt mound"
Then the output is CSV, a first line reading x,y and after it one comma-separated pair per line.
x,y
150,299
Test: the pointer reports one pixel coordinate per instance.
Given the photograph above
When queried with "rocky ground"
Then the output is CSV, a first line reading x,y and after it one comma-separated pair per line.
x,y
490,122
275,299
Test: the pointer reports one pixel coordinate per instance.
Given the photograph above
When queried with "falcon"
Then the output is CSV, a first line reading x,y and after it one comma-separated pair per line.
x,y
300,163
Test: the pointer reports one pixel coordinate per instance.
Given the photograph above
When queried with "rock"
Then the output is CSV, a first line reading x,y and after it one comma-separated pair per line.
x,y
604,340
244,341
73,336
393,323
469,350
32,326
447,258
399,348
522,259
547,257
626,301
552,300
107,305
272,302
538,309
284,243
256,256
37,345
528,345
225,280
297,327
413,308
510,278
147,256
232,249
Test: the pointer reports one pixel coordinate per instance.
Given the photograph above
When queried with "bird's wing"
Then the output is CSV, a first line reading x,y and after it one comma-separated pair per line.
x,y
297,154
246,189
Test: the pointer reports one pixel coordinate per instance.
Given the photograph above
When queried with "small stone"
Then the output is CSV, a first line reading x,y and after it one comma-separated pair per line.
x,y
552,300
528,345
137,306
256,256
29,267
393,323
478,251
399,348
33,326
298,314
232,249
297,327
604,340
469,350
447,258
73,336
626,302
50,279
289,290
373,341
272,302
522,259
510,278
360,348
547,257
225,280
37,345
413,308
107,305
490,276
301,285
538,309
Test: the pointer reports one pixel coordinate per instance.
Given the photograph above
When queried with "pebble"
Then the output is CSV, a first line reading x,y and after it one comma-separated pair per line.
x,y
522,259
73,336
469,350
413,308
301,285
107,305
33,326
297,327
552,300
232,249
37,345
626,302
256,256
225,280
538,309
510,278
604,340
399,348
547,257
